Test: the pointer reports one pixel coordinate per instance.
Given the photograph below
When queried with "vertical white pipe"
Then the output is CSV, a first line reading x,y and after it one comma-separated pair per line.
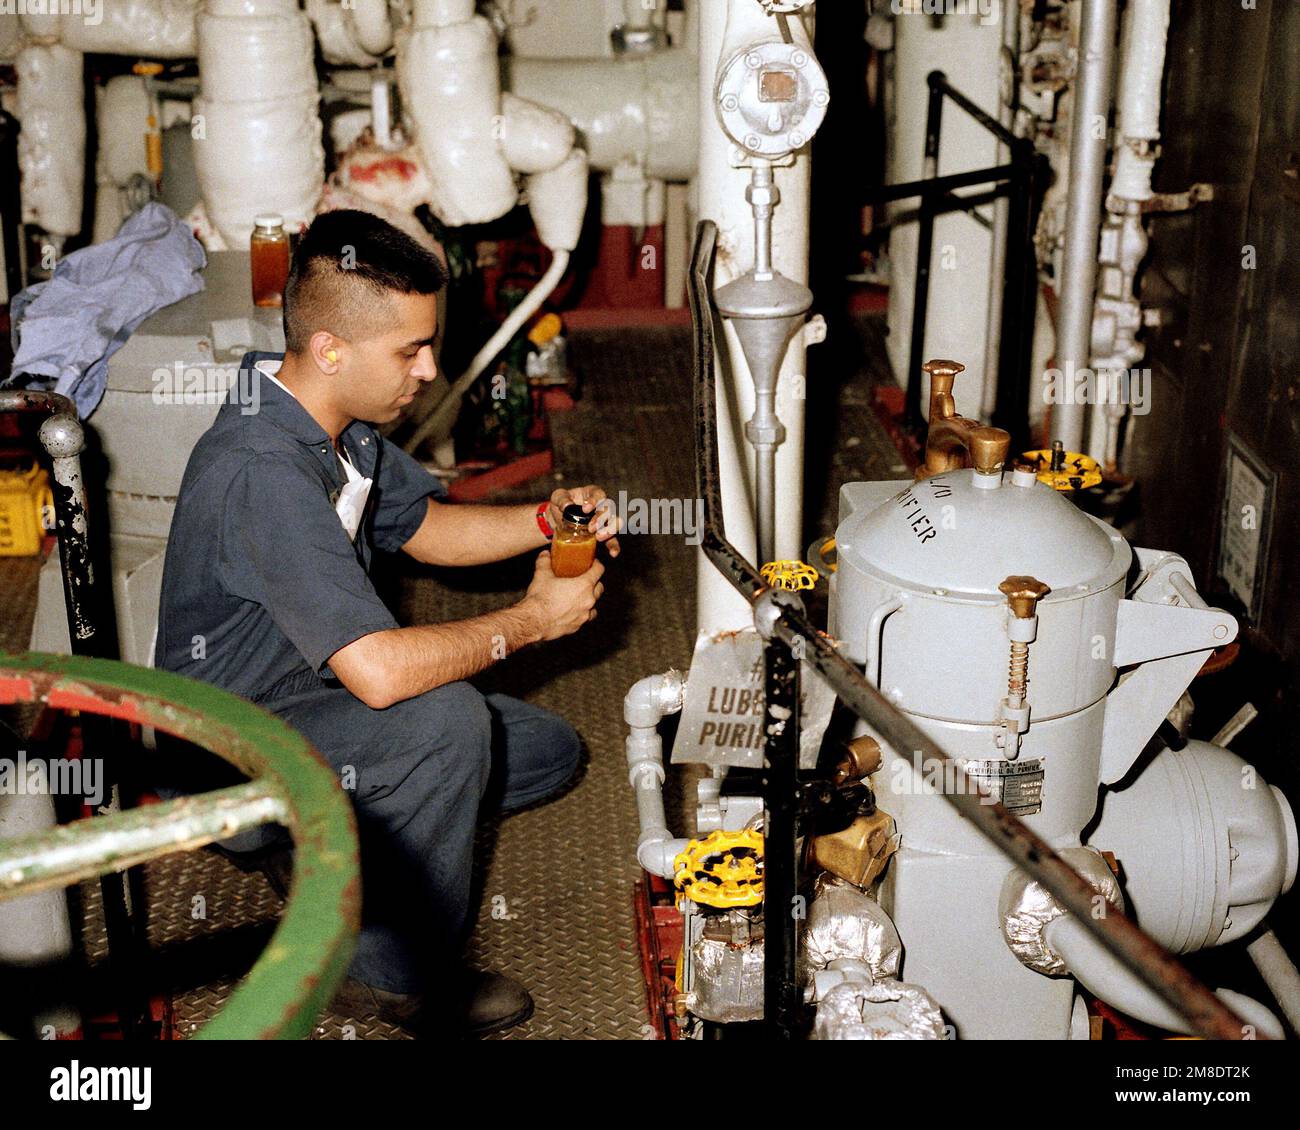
x,y
1142,62
1143,69
967,49
1009,14
52,141
1088,131
721,198
380,111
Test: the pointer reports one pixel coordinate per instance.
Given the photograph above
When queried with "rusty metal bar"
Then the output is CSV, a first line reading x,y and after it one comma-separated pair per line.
x,y
308,955
84,849
1149,960
64,439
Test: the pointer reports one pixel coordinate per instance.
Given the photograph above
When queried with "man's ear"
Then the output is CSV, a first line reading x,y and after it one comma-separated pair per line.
x,y
327,351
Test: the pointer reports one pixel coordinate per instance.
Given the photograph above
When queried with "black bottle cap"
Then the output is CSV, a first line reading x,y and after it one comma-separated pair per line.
x,y
575,513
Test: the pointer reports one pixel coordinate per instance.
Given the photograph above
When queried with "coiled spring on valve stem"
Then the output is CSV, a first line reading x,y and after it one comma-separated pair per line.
x,y
1018,673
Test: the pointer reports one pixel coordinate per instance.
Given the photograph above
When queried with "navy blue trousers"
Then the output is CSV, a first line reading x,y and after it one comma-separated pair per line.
x,y
417,774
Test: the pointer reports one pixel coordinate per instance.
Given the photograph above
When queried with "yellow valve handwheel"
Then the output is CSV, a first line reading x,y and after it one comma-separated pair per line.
x,y
789,575
1077,472
723,870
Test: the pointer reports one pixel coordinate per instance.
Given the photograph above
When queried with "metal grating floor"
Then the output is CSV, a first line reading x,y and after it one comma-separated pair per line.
x,y
556,879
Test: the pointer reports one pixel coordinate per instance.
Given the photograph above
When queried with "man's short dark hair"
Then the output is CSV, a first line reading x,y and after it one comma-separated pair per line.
x,y
346,265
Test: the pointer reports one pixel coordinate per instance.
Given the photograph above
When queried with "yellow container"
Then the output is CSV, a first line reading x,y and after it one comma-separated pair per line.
x,y
26,511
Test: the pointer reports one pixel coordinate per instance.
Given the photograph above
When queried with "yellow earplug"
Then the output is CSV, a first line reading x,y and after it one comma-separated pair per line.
x,y
332,354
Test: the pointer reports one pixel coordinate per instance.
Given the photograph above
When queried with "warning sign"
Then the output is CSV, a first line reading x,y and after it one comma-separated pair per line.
x,y
722,721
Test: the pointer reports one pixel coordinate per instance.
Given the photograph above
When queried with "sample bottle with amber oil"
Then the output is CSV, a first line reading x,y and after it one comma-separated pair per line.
x,y
574,546
269,252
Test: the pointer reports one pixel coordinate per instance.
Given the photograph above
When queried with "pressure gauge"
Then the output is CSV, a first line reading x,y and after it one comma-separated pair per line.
x,y
771,98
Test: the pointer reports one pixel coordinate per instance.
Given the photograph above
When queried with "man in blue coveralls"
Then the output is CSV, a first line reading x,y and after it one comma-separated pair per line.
x,y
266,593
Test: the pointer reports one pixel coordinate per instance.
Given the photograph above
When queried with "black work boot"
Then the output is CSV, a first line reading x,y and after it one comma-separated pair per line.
x,y
487,1002
493,1002
356,998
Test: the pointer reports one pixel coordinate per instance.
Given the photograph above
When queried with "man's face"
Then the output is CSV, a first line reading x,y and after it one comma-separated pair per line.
x,y
384,372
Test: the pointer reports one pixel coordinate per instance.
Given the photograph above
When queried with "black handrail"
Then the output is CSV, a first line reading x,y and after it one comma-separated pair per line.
x,y
1023,181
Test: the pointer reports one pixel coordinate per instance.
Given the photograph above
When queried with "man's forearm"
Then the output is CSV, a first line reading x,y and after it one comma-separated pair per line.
x,y
390,666
468,534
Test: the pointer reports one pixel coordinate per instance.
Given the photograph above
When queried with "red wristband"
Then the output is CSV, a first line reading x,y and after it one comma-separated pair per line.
x,y
542,523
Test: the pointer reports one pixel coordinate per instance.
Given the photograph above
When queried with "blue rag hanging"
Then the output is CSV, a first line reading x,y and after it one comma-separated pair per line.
x,y
66,329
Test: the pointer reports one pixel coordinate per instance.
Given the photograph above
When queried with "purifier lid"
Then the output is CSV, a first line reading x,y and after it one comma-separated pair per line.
x,y
954,533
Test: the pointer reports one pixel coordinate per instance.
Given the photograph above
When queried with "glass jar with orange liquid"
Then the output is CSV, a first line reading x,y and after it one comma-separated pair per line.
x,y
573,548
269,259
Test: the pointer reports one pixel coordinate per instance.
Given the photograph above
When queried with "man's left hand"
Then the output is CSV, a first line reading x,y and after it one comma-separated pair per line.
x,y
606,523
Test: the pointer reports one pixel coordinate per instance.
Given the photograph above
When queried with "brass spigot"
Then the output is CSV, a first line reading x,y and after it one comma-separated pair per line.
x,y
861,758
951,435
943,375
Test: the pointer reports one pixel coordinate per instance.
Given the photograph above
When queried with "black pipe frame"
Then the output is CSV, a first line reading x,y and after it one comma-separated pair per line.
x,y
1023,181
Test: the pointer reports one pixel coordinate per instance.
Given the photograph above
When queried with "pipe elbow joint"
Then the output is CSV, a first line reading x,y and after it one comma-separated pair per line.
x,y
1026,909
653,697
656,852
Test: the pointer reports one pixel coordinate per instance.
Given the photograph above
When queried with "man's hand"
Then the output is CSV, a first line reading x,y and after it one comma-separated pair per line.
x,y
591,498
561,605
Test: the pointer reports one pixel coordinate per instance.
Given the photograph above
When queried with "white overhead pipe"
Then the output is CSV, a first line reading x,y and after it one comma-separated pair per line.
x,y
1088,133
369,24
534,138
451,88
473,140
154,29
638,106
338,44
